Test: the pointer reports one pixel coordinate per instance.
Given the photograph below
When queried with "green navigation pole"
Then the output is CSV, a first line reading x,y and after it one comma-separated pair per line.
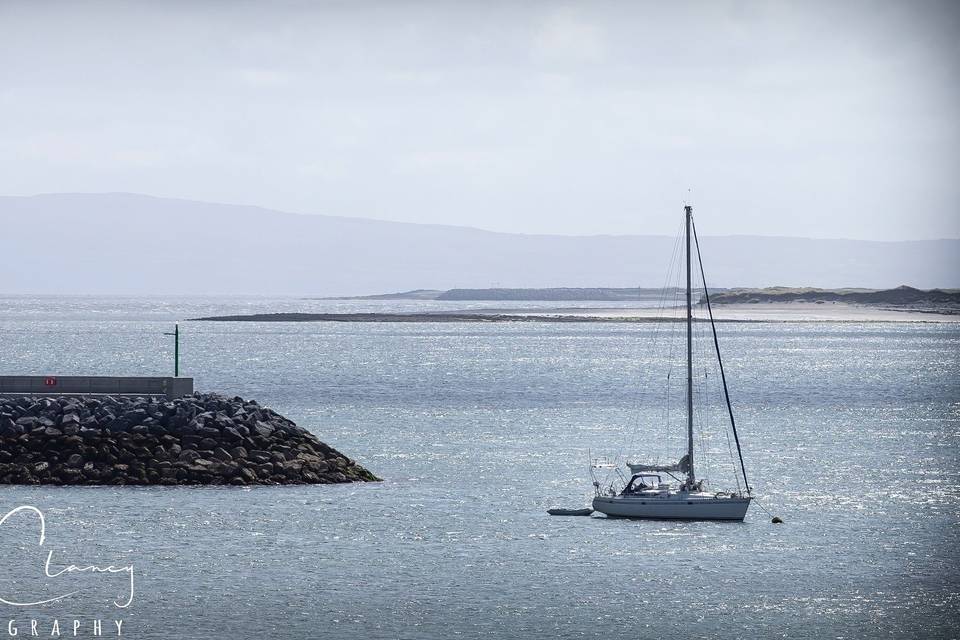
x,y
176,349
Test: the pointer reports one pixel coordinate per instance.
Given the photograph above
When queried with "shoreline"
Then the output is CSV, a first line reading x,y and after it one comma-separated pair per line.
x,y
726,313
444,317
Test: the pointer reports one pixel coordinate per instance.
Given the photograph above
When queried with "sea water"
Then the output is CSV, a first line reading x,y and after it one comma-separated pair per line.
x,y
851,434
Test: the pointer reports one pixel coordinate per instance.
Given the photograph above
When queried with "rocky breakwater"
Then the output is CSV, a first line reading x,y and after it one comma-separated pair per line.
x,y
196,439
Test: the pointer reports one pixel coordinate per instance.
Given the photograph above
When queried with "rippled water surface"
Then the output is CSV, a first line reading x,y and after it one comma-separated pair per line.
x,y
851,434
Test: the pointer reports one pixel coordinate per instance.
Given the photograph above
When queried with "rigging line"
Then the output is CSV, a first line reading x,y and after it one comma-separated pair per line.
x,y
702,394
767,511
674,327
704,406
662,301
716,343
699,413
653,339
668,284
711,409
668,289
730,461
736,478
670,266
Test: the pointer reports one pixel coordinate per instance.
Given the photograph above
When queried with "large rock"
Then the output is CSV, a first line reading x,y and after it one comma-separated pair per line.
x,y
196,439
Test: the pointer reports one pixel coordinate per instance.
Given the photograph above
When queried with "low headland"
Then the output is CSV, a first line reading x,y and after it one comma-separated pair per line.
x,y
199,439
567,315
774,304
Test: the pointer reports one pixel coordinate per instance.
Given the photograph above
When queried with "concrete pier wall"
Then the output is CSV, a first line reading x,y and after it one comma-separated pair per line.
x,y
85,385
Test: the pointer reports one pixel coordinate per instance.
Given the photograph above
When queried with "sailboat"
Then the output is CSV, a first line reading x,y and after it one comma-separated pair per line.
x,y
646,494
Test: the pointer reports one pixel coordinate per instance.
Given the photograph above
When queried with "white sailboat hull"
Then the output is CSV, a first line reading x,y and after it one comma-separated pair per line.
x,y
675,507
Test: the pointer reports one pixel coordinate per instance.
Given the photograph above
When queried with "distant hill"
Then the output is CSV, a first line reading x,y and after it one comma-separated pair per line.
x,y
897,297
608,294
598,294
133,244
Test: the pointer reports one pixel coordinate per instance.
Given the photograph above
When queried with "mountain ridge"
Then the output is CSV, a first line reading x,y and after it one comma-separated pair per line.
x,y
271,210
134,244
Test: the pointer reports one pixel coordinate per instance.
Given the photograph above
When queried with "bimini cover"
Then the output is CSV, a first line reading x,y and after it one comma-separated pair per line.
x,y
681,467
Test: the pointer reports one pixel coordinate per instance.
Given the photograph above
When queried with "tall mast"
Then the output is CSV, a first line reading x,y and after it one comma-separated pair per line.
x,y
689,214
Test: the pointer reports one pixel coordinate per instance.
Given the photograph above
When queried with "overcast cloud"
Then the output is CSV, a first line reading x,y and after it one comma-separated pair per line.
x,y
821,119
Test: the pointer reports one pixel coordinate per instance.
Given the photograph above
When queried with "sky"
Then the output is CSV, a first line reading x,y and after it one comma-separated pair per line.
x,y
814,119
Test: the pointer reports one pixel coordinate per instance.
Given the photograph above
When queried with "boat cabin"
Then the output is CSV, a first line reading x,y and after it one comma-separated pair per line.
x,y
645,482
